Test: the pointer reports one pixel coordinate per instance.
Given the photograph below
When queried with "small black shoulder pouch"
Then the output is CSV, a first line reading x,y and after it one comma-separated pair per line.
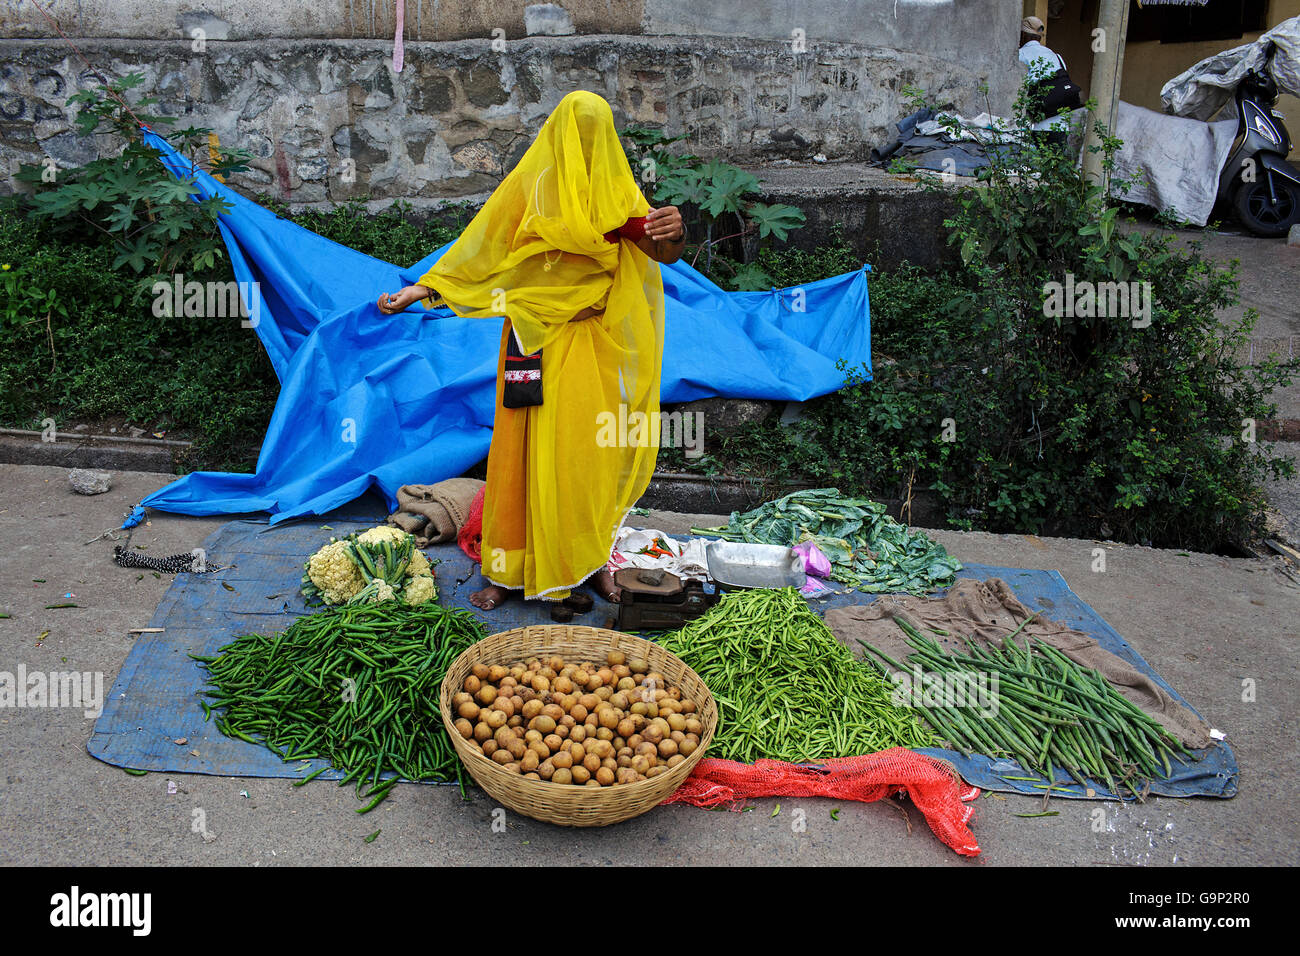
x,y
523,376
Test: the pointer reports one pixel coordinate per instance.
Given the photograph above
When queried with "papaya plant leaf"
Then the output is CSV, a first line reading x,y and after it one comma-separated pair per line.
x,y
726,189
174,190
137,255
776,219
751,277
122,217
683,188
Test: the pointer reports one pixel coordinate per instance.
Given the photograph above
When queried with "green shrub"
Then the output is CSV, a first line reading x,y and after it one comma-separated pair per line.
x,y
786,268
1016,418
1021,419
78,337
102,354
150,218
75,345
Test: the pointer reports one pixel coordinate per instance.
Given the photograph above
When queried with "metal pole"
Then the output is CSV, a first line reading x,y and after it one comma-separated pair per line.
x,y
1107,71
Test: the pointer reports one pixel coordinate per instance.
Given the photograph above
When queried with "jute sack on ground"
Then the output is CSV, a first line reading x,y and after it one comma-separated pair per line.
x,y
986,612
434,513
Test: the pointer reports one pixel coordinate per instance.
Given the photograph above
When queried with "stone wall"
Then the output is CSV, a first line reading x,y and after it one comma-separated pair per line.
x,y
331,120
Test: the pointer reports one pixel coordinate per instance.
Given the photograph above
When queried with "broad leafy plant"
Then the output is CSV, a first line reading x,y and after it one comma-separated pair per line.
x,y
149,216
1017,417
1073,421
719,197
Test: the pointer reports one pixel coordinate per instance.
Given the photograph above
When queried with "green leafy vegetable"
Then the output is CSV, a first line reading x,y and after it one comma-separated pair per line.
x,y
868,549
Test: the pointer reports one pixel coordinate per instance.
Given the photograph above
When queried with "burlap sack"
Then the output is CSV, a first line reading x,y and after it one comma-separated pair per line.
x,y
986,612
434,513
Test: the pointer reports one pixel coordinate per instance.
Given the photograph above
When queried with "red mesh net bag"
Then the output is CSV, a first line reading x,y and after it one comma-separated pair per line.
x,y
470,536
933,787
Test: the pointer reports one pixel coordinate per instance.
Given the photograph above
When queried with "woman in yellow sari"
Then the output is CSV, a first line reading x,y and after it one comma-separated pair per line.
x,y
563,250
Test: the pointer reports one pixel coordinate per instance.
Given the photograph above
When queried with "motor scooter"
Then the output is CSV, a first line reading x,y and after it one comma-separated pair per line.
x,y
1257,182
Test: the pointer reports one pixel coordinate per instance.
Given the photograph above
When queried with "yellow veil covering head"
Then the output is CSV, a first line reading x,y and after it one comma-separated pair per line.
x,y
536,253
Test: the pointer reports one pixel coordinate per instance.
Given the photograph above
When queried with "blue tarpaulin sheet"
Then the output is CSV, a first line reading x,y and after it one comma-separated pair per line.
x,y
375,401
155,699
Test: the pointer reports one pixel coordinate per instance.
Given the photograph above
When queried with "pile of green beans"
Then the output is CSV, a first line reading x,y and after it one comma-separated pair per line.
x,y
786,689
1048,713
356,685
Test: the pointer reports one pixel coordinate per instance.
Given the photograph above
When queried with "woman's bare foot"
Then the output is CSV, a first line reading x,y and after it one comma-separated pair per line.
x,y
489,597
604,583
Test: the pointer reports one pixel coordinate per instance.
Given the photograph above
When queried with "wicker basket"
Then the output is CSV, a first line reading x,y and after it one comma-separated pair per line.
x,y
566,804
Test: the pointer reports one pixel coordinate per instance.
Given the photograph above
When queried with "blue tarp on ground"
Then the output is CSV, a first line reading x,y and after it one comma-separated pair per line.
x,y
154,700
375,401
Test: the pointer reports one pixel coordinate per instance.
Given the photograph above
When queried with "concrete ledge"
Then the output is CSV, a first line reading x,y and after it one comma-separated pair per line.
x,y
72,450
674,491
887,218
668,491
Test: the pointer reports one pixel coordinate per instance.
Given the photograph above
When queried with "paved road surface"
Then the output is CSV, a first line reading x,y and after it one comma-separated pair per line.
x,y
1205,622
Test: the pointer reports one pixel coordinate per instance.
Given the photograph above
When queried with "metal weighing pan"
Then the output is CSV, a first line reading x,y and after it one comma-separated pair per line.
x,y
734,564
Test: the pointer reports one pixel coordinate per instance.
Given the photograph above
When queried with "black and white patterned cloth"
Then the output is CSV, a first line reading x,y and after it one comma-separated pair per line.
x,y
172,564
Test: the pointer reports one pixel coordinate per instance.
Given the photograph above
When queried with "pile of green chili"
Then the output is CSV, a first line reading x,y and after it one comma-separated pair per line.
x,y
356,685
786,689
1047,712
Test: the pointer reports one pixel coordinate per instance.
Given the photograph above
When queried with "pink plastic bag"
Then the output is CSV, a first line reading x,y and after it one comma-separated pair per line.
x,y
816,565
814,561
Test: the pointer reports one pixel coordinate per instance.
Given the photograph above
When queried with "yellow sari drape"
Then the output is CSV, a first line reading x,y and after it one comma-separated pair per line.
x,y
562,475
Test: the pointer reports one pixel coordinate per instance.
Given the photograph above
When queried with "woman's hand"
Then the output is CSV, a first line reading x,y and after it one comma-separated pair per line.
x,y
665,223
665,235
390,303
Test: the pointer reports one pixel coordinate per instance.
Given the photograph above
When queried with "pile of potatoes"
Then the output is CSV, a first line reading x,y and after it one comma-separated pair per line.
x,y
582,724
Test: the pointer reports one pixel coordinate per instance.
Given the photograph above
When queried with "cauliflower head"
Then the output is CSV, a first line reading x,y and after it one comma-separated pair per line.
x,y
384,591
384,532
419,564
331,570
419,590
